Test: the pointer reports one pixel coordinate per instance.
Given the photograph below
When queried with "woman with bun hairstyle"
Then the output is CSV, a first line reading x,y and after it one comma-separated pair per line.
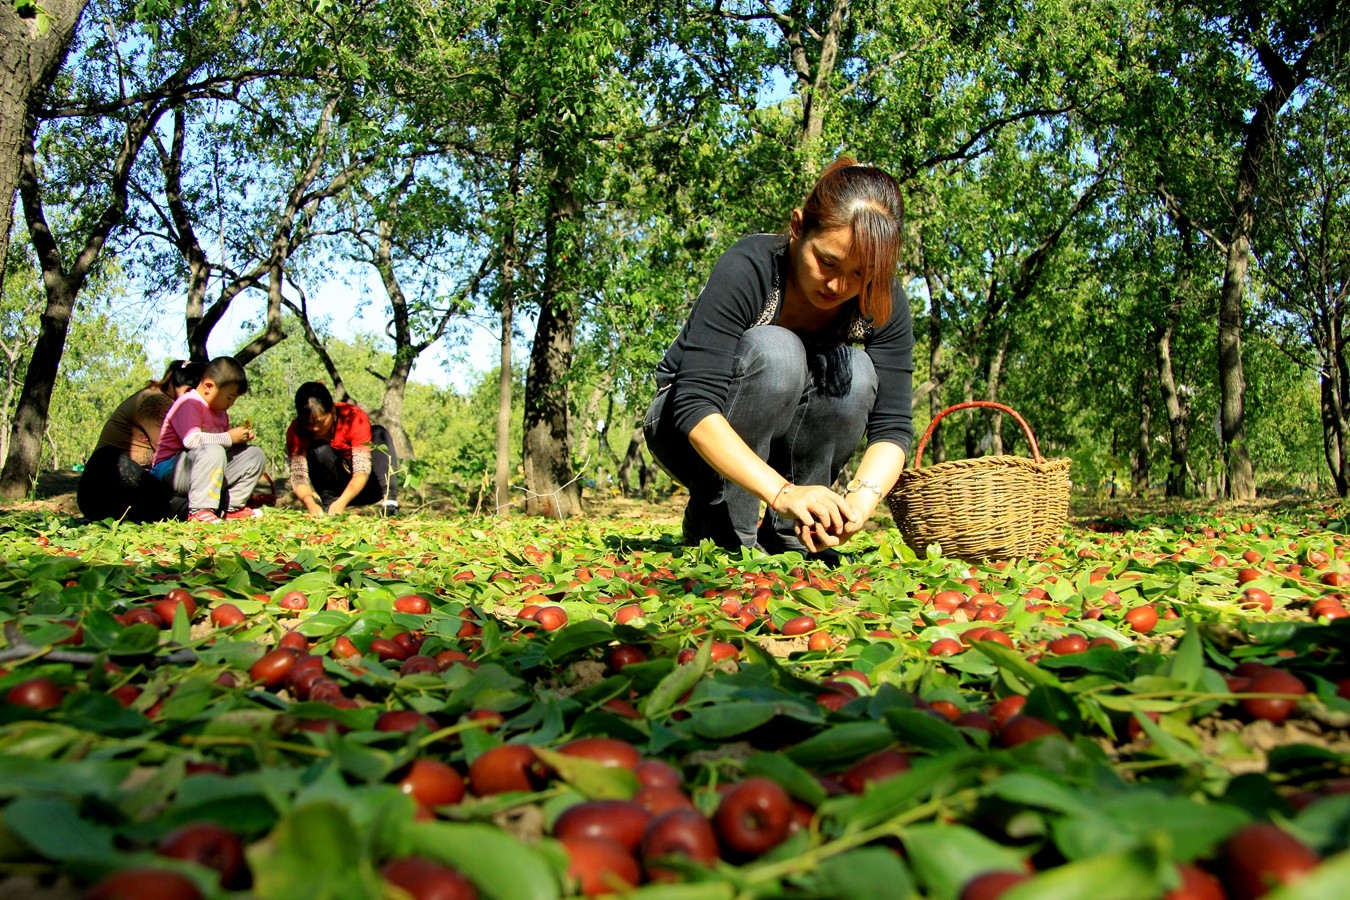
x,y
338,458
799,346
116,482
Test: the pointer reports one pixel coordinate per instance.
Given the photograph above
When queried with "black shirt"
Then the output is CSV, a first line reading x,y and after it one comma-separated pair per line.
x,y
746,290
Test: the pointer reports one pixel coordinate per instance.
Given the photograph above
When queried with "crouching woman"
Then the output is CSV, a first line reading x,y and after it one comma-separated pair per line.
x,y
338,458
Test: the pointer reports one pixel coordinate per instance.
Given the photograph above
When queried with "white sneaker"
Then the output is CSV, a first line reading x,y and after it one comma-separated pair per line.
x,y
387,507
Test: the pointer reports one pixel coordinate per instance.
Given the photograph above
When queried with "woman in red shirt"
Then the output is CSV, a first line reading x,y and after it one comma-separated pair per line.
x,y
338,458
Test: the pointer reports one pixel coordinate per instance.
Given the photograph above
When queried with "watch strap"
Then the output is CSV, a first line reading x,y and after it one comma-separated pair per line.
x,y
858,484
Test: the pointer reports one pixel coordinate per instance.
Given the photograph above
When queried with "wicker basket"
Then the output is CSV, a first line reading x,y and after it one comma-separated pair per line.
x,y
261,497
991,507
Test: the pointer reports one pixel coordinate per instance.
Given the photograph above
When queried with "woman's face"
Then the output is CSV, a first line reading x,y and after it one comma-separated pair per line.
x,y
321,424
823,266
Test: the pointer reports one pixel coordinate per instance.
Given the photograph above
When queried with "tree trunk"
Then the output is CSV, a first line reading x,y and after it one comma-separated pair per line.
x,y
502,475
184,234
1333,432
12,356
62,286
1142,469
1337,369
972,433
301,311
273,333
510,266
29,60
813,81
550,484
1241,480
1177,406
602,439
637,438
994,374
30,418
1260,135
390,413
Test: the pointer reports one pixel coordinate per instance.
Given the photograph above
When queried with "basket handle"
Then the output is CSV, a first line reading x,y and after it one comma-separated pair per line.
x,y
970,404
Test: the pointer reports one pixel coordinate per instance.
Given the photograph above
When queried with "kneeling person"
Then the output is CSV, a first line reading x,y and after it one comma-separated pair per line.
x,y
337,457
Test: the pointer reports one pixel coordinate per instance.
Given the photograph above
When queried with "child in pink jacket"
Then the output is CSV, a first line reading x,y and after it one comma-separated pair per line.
x,y
200,455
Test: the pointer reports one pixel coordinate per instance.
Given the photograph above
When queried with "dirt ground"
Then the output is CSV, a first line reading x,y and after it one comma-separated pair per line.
x,y
55,493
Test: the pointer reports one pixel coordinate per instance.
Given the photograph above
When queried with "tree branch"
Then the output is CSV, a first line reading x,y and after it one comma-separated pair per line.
x,y
1177,211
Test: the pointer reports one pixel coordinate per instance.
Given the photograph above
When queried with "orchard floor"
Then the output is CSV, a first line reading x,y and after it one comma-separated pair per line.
x,y
1310,750
55,493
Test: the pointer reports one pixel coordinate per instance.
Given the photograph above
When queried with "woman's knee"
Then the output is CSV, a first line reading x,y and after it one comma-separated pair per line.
x,y
382,446
857,403
772,346
843,416
865,380
774,359
324,455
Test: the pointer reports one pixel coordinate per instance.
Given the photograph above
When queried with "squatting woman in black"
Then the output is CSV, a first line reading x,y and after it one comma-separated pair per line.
x,y
799,346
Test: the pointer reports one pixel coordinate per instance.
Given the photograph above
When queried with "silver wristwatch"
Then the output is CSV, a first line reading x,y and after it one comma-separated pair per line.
x,y
858,484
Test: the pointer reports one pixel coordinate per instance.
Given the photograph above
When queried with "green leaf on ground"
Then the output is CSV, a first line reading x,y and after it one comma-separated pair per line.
x,y
500,866
864,874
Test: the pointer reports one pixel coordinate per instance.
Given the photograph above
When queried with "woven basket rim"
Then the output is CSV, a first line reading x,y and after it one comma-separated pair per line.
x,y
975,464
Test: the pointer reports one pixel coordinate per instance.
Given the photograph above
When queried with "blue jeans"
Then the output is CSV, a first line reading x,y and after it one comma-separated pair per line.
x,y
802,412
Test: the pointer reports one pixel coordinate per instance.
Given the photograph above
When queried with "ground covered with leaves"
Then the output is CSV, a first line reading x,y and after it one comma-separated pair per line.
x,y
521,708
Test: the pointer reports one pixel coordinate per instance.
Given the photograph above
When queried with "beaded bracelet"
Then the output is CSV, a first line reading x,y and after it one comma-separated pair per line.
x,y
785,489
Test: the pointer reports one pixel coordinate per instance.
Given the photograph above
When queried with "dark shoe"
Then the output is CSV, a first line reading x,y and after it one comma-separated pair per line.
x,y
709,522
691,533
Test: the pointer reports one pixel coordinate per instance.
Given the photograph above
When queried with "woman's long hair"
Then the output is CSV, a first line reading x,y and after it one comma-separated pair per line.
x,y
867,201
180,373
312,397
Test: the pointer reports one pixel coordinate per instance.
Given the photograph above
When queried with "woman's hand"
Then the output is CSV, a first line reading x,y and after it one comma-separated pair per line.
x,y
305,494
881,465
860,505
821,514
854,510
